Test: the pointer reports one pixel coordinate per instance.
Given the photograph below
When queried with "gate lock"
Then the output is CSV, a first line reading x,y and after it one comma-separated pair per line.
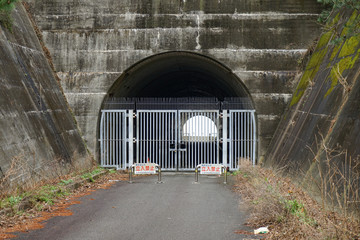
x,y
181,146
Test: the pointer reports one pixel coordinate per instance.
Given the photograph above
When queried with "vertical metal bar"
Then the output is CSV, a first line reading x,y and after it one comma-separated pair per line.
x,y
138,139
154,129
157,125
163,146
168,137
102,139
111,138
143,137
107,139
117,141
192,153
243,154
176,140
123,136
217,139
234,130
166,141
254,137
213,140
214,137
143,128
212,157
177,132
180,137
114,138
191,158
225,138
250,137
131,136
231,128
151,138
146,138
247,135
208,136
119,152
185,139
202,138
191,142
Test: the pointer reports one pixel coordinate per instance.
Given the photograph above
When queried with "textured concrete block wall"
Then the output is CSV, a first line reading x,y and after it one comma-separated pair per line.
x,y
94,42
37,129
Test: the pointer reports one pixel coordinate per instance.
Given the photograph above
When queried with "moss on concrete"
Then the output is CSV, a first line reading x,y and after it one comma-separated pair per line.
x,y
338,69
325,39
351,24
344,55
310,72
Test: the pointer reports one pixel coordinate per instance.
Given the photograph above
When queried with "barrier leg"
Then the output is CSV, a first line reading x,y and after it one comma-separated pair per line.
x,y
130,175
159,175
225,177
196,175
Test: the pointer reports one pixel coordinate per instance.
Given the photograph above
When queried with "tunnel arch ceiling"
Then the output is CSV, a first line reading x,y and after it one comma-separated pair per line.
x,y
178,74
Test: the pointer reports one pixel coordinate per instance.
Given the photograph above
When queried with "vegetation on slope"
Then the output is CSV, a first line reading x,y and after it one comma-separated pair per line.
x,y
6,7
288,211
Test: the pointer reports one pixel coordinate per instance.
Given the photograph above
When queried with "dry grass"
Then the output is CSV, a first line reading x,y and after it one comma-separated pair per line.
x,y
27,173
36,216
289,212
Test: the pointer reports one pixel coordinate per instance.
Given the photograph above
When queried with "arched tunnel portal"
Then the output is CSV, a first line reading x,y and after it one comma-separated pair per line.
x,y
221,135
178,74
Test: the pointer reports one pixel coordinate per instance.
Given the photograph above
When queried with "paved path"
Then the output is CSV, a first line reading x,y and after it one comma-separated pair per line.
x,y
175,209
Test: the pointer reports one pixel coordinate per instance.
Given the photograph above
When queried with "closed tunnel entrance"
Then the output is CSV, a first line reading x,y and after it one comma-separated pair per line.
x,y
178,110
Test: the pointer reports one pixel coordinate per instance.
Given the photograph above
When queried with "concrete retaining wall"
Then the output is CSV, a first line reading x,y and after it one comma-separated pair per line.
x,y
38,136
324,113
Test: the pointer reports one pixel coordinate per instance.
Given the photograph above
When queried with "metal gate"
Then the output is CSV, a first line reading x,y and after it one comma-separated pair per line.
x,y
177,140
242,137
113,135
156,136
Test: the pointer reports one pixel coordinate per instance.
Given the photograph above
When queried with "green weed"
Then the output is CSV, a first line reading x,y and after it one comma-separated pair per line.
x,y
297,209
66,182
6,7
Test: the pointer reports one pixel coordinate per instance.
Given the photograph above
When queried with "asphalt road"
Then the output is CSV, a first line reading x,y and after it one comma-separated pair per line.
x,y
175,209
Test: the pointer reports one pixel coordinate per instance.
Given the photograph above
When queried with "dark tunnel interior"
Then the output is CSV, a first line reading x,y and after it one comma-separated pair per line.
x,y
178,74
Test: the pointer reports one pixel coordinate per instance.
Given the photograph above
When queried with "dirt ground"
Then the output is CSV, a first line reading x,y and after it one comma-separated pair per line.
x,y
32,219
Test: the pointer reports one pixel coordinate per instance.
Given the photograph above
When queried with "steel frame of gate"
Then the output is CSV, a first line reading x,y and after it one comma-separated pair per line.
x,y
160,138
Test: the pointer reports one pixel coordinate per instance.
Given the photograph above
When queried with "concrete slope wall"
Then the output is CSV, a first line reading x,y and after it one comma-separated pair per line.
x,y
94,42
38,136
324,114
